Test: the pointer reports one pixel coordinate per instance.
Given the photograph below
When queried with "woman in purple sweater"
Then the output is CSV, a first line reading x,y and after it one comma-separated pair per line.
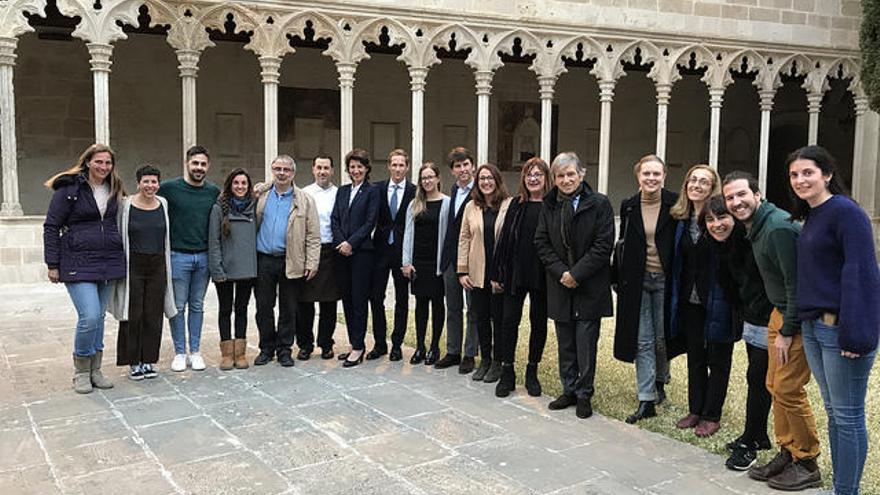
x,y
83,249
838,293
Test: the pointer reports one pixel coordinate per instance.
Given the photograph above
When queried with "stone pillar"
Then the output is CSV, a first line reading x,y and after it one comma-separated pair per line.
x,y
484,89
814,106
11,205
664,92
346,96
606,96
189,68
764,150
100,62
716,97
417,77
864,174
546,84
271,72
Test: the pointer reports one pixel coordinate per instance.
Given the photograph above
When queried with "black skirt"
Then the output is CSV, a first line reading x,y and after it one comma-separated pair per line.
x,y
325,286
425,239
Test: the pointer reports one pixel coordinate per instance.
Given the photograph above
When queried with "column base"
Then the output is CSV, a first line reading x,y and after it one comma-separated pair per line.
x,y
11,210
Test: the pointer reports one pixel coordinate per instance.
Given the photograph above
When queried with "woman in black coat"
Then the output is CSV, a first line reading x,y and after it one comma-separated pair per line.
x,y
642,258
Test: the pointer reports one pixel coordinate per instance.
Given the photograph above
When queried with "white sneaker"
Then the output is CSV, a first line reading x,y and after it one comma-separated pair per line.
x,y
179,362
196,361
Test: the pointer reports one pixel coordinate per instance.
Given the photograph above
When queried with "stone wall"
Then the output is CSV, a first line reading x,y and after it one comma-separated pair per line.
x,y
21,250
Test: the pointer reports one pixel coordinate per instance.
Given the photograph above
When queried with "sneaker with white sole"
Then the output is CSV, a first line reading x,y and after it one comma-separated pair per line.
x,y
136,373
179,362
149,371
196,361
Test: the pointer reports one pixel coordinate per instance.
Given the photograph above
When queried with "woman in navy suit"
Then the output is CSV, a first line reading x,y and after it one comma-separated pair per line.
x,y
352,221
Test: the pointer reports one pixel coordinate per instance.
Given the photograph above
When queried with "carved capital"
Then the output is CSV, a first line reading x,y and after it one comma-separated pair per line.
x,y
716,97
484,82
7,51
664,93
189,62
271,69
100,56
766,99
346,74
417,77
546,85
606,91
861,105
814,102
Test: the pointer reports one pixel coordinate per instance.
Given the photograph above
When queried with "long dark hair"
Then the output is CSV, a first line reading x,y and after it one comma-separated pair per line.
x,y
226,196
500,194
827,164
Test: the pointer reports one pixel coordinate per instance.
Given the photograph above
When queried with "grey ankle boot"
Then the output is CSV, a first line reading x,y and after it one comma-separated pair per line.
x,y
98,379
82,383
494,372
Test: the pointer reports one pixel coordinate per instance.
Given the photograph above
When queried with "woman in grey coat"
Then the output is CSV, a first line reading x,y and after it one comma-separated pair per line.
x,y
232,261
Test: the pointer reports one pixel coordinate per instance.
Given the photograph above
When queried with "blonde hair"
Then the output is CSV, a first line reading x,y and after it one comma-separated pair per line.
x,y
648,159
684,207
420,202
117,187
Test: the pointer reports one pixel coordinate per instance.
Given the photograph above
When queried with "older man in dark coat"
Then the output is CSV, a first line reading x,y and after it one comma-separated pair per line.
x,y
574,240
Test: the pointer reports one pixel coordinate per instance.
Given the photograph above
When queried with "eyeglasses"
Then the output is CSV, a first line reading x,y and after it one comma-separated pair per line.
x,y
699,180
487,179
282,170
534,176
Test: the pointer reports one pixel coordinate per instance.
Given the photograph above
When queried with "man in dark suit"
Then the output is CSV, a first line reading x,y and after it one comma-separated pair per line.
x,y
461,163
396,193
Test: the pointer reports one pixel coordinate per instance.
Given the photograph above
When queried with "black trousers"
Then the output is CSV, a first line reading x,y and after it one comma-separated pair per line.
x,y
139,338
758,400
513,308
272,284
356,277
708,365
233,296
488,309
305,321
388,261
438,313
578,343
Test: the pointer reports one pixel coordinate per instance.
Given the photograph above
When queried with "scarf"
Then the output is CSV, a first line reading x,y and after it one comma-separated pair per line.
x,y
566,214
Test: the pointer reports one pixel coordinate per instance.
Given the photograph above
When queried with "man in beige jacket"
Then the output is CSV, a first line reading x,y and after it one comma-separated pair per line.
x,y
288,252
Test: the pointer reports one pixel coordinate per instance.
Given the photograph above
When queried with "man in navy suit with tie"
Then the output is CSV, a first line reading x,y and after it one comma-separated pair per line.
x,y
396,192
461,164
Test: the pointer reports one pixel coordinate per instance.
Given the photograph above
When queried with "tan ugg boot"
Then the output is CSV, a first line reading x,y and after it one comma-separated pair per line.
x,y
241,361
98,378
226,355
82,366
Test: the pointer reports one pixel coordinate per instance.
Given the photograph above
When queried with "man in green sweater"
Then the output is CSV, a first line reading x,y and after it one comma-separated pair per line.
x,y
190,199
774,244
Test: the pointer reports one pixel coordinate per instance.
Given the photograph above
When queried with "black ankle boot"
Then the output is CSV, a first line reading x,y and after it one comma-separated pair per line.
x,y
533,386
645,410
661,393
507,383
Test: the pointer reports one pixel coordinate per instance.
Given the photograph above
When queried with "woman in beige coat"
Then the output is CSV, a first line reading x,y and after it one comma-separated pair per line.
x,y
480,226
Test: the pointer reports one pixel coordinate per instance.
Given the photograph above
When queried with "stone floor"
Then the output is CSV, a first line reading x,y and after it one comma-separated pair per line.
x,y
312,429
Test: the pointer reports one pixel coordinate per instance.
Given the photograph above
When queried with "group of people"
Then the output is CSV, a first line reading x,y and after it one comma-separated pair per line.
x,y
694,272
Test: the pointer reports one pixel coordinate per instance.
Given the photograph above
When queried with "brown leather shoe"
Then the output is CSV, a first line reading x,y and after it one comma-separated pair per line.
x,y
240,354
798,475
688,421
706,429
226,354
772,468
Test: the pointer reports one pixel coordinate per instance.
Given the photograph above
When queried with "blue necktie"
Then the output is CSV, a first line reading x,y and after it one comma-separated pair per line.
x,y
394,207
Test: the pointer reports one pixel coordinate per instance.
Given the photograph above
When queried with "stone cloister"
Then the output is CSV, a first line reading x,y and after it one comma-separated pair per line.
x,y
256,78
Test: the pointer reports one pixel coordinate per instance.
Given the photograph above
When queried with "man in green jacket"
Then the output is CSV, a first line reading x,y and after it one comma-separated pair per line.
x,y
774,244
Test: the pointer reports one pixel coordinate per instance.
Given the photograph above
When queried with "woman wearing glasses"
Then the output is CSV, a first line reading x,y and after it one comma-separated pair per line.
x,y
426,218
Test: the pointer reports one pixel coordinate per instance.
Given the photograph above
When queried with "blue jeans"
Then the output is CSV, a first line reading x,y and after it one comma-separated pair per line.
x,y
90,301
755,335
190,276
651,364
843,383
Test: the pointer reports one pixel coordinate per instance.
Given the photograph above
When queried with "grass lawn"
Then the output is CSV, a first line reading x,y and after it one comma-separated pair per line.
x,y
615,397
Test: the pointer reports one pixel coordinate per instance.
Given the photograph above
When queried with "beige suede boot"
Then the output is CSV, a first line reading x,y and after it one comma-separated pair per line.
x,y
226,355
82,366
98,378
241,361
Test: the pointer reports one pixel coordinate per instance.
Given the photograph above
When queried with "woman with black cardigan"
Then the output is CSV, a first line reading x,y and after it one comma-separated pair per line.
x,y
515,273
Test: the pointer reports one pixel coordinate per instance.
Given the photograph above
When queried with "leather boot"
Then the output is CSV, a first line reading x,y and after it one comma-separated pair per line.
x,y
533,386
98,379
485,363
776,466
645,410
239,348
82,381
227,354
507,383
797,476
661,393
494,372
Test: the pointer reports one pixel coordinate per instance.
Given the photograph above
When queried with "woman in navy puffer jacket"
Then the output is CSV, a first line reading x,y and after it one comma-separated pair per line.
x,y
83,249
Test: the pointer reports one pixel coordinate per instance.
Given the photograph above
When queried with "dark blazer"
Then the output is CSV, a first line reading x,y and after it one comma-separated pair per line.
x,y
355,223
453,229
592,240
385,224
630,271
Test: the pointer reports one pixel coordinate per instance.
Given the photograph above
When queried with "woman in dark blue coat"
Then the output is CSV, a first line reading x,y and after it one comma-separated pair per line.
x,y
352,222
83,249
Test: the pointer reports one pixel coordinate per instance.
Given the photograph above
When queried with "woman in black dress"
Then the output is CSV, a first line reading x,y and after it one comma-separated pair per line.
x,y
423,237
516,273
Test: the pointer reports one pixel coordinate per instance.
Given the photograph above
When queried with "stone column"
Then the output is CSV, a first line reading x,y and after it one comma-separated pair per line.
x,y
664,92
606,96
11,205
764,150
189,69
417,77
546,84
863,173
716,97
346,96
814,106
271,72
100,62
484,89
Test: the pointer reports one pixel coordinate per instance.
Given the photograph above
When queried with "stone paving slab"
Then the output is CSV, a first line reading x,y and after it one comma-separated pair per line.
x,y
316,428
